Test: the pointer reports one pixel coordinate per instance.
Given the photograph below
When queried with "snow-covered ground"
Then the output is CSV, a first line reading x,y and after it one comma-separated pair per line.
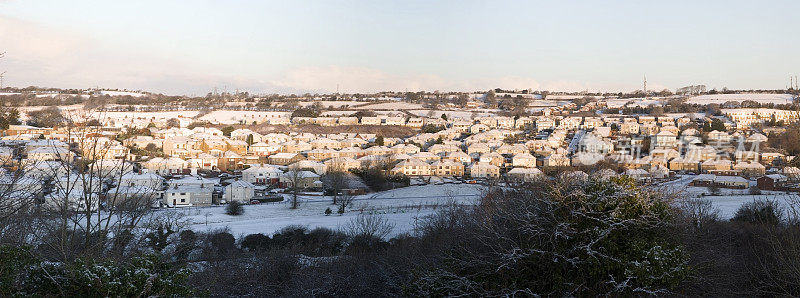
x,y
403,207
728,200
391,106
450,114
722,98
121,93
333,103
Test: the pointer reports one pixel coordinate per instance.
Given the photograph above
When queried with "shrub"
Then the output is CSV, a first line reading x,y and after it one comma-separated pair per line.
x,y
222,243
234,208
754,190
760,212
255,242
328,211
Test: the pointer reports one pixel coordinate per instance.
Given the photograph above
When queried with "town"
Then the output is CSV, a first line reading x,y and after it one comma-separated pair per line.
x,y
252,150
399,148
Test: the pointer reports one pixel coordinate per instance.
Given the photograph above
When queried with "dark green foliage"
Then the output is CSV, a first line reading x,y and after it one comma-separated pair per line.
x,y
255,242
328,211
8,117
306,112
222,243
22,274
234,208
759,212
157,239
583,239
427,128
226,131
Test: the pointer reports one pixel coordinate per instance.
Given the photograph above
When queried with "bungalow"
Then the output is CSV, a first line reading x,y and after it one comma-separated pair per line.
x,y
772,182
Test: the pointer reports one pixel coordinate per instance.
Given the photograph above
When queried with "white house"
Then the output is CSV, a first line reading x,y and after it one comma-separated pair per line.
x,y
240,191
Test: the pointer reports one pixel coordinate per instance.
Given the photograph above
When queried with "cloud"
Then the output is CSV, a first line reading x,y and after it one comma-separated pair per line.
x,y
57,57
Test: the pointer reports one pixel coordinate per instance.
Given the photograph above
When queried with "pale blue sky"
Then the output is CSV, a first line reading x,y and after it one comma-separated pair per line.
x,y
189,47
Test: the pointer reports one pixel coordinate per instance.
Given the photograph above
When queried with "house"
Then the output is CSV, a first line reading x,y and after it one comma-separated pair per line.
x,y
310,165
524,174
188,196
239,191
167,166
751,169
285,158
145,179
772,182
459,156
493,158
684,164
132,197
230,161
111,168
51,154
412,167
261,174
484,170
556,160
300,179
447,168
204,161
639,175
523,160
342,164
665,139
732,182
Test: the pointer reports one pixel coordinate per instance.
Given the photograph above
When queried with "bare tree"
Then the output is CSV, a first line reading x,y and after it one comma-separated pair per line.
x,y
371,225
294,178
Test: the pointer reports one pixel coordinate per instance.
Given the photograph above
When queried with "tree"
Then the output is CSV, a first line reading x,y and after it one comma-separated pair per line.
x,y
173,122
462,100
47,117
234,208
491,98
8,117
294,178
444,116
718,125
226,131
379,140
250,139
713,189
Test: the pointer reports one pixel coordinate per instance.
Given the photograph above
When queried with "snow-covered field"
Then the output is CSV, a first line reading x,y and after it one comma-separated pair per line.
x,y
729,200
234,117
403,207
641,102
391,106
722,98
333,103
450,114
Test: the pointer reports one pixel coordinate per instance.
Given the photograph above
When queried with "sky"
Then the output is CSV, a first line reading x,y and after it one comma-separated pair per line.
x,y
191,47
